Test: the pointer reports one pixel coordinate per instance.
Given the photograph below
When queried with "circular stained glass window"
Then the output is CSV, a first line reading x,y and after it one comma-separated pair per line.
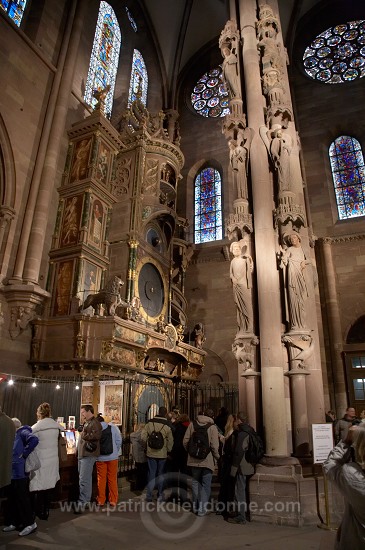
x,y
210,97
337,55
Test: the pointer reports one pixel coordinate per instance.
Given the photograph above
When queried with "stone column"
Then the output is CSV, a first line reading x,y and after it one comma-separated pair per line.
x,y
47,180
334,325
268,286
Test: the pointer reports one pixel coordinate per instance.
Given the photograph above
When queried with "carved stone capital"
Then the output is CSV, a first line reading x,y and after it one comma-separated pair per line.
x,y
26,303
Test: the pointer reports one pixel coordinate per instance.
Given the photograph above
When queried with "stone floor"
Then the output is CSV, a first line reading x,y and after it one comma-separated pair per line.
x,y
132,527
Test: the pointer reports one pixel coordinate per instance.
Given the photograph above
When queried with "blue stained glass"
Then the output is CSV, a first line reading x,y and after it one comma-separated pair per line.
x,y
139,79
339,52
210,96
104,57
348,172
14,9
208,206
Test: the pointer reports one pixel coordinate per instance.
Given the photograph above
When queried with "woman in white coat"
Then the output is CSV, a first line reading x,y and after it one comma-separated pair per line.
x,y
44,480
347,471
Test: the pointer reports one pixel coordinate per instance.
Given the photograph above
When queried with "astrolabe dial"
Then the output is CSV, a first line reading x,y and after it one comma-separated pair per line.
x,y
151,290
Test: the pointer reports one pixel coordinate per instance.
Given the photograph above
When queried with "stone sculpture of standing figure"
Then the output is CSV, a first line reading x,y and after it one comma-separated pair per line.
x,y
231,72
241,277
280,150
294,262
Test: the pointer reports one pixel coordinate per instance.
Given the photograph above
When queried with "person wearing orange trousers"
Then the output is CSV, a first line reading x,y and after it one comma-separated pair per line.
x,y
107,468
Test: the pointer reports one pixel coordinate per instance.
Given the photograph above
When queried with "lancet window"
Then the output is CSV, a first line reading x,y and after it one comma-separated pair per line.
x,y
104,58
208,205
348,172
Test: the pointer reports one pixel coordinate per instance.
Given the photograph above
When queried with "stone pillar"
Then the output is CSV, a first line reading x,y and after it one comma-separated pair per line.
x,y
47,179
268,286
252,380
334,325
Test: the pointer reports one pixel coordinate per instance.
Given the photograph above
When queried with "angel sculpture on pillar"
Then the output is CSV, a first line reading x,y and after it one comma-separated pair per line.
x,y
238,155
294,263
279,145
241,276
231,71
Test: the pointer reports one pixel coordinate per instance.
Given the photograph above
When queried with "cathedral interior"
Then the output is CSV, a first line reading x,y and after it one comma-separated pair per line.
x,y
182,202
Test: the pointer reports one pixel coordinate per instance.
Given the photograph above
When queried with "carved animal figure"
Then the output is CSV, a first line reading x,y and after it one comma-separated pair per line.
x,y
109,296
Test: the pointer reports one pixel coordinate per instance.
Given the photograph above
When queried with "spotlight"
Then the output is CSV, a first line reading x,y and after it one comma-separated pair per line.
x,y
77,387
58,387
34,385
11,382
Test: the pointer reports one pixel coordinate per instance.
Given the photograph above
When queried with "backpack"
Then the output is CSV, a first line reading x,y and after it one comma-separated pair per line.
x,y
106,441
156,439
256,449
199,446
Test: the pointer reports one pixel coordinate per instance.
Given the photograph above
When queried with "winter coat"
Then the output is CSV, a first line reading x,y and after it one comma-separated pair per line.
x,y
24,443
209,461
341,429
179,454
47,430
91,432
138,449
7,434
117,443
239,462
350,479
155,424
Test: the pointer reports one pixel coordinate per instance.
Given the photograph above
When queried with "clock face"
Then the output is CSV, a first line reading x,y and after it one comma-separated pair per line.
x,y
154,238
151,290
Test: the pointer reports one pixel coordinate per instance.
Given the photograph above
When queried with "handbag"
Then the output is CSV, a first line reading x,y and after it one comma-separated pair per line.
x,y
62,448
32,462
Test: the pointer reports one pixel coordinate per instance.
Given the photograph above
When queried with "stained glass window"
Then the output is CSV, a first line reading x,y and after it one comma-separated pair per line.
x,y
139,79
14,9
210,97
208,205
104,57
337,55
348,172
131,19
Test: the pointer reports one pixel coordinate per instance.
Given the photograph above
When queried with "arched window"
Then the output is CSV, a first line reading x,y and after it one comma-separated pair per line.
x,y
348,172
15,10
104,57
208,205
139,79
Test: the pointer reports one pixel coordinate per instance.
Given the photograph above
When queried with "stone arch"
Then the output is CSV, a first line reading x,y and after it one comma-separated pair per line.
x,y
356,332
7,192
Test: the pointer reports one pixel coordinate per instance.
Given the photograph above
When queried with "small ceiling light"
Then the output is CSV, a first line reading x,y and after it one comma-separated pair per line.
x,y
77,387
34,385
11,382
58,387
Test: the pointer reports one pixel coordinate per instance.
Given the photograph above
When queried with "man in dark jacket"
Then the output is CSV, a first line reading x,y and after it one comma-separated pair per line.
x,y
156,458
342,425
7,432
18,510
241,468
88,450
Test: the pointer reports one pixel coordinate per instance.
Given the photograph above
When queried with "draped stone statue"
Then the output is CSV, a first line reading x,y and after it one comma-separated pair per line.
x,y
294,262
279,145
241,277
238,155
231,72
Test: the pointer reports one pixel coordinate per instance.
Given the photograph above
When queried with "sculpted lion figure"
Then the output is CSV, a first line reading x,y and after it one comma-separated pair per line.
x,y
109,296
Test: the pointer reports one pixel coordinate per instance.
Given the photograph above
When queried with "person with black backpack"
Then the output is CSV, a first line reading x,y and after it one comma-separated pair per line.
x,y
202,443
159,440
248,450
107,463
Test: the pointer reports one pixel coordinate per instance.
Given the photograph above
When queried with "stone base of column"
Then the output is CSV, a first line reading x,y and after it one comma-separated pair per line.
x,y
281,495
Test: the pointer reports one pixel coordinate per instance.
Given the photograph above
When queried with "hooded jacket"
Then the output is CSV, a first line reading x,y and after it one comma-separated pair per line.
x,y
24,443
155,425
47,430
350,479
209,461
